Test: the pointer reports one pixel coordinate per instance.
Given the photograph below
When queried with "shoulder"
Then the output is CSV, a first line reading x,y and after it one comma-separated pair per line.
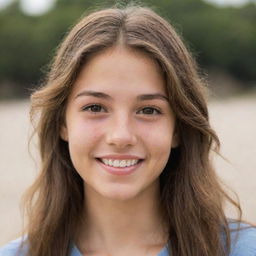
x,y
243,241
12,248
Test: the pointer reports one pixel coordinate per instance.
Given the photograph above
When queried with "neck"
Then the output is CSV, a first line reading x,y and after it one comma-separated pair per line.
x,y
112,224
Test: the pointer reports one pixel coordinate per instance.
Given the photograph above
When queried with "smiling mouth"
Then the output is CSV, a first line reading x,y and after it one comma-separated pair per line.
x,y
119,167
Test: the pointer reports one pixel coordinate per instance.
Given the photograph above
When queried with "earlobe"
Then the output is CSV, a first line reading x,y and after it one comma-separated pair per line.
x,y
64,133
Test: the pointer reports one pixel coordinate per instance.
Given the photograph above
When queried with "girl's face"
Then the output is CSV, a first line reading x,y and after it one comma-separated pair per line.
x,y
118,112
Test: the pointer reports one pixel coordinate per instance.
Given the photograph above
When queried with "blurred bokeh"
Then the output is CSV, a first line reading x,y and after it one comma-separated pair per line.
x,y
222,39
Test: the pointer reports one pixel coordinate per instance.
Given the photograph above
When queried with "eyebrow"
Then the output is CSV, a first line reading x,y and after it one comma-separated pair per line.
x,y
141,97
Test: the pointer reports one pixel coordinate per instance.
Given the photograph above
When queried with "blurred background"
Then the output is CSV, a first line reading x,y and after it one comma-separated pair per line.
x,y
221,34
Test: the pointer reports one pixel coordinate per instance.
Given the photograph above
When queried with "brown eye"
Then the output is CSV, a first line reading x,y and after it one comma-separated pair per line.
x,y
93,108
150,111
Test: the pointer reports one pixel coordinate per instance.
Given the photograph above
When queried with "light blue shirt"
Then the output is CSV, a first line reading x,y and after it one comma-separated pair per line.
x,y
244,246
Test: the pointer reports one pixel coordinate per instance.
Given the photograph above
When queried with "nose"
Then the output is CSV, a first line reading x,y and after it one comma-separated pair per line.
x,y
121,133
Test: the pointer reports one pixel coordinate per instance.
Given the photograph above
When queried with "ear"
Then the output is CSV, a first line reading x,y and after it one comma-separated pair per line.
x,y
64,133
175,140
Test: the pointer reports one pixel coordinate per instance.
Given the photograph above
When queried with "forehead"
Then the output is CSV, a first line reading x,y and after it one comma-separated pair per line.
x,y
120,69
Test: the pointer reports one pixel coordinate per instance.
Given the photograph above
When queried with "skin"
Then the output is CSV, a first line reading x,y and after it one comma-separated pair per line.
x,y
123,125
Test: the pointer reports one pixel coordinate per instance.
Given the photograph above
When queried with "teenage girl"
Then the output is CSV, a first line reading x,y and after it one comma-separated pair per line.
x,y
124,140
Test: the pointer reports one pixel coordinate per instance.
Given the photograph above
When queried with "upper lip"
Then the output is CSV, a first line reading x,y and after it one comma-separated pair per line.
x,y
120,157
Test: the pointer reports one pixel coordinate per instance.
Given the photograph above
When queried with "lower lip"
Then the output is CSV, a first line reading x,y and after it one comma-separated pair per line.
x,y
120,170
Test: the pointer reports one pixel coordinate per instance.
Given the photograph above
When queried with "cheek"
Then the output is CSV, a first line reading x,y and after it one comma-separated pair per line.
x,y
83,136
158,140
159,136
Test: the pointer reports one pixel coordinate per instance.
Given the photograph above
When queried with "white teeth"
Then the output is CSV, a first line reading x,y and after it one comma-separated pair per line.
x,y
119,163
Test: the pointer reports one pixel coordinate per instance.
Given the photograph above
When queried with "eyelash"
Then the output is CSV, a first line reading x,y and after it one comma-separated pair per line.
x,y
85,108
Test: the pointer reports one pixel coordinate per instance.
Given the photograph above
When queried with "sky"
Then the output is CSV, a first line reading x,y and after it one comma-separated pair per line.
x,y
37,7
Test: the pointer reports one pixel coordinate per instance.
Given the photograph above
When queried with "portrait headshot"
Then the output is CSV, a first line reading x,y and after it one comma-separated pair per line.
x,y
125,147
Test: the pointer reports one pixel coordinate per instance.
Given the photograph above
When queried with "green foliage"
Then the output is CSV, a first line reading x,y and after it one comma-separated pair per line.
x,y
223,38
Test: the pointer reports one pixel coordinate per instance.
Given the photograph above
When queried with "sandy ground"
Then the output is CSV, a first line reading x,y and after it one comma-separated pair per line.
x,y
234,120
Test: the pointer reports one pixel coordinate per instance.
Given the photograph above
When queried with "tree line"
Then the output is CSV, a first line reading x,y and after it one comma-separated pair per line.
x,y
219,38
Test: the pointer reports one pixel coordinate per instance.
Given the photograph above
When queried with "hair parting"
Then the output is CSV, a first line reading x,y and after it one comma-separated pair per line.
x,y
192,198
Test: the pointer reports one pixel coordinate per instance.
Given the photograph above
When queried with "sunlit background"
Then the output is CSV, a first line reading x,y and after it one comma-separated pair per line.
x,y
221,34
39,7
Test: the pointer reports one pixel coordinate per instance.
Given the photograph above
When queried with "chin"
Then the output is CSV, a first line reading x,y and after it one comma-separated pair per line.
x,y
120,194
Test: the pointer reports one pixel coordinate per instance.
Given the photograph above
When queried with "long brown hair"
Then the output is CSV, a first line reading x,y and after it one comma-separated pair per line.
x,y
192,198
